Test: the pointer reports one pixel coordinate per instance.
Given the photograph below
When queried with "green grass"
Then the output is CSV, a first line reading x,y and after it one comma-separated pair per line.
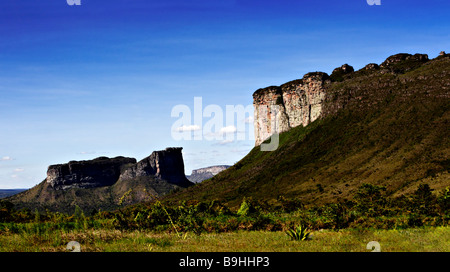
x,y
429,239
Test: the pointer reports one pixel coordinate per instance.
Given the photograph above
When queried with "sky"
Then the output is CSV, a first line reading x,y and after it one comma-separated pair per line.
x,y
105,78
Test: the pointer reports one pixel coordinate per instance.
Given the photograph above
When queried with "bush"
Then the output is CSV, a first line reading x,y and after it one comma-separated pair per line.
x,y
299,233
370,199
443,201
248,207
423,201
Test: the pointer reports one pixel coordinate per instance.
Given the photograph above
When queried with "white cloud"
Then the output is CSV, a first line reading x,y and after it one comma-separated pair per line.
x,y
228,130
19,170
6,158
14,176
187,128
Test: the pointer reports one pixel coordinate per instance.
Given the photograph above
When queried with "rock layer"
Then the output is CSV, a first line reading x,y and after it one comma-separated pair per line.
x,y
300,102
99,172
280,108
165,164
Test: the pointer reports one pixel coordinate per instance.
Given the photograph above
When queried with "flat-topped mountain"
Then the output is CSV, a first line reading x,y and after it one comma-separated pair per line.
x,y
201,174
101,182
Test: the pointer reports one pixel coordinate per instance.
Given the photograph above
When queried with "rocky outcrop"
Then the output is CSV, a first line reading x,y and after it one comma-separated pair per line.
x,y
99,172
280,108
402,63
202,174
300,102
165,164
339,73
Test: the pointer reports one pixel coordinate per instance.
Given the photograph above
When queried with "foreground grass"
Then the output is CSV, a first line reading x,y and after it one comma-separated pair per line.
x,y
430,239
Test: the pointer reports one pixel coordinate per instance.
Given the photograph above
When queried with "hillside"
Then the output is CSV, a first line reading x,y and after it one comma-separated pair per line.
x,y
385,124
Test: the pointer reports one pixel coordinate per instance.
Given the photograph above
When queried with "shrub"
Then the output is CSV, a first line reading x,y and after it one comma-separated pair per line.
x,y
370,199
248,207
423,200
444,201
298,233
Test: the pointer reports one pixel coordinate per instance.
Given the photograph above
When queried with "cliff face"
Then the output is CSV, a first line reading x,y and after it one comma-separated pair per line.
x,y
299,103
99,172
165,164
302,101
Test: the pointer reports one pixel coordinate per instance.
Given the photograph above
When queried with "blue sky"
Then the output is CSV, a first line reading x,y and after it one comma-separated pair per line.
x,y
101,79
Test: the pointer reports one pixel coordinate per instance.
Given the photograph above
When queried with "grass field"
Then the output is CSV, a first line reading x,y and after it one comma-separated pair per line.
x,y
428,239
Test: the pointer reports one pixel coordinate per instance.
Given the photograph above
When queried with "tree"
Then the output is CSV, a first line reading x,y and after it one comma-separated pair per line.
x,y
423,200
370,199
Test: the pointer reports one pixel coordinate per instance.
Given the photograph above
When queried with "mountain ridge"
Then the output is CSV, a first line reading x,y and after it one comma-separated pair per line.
x,y
384,124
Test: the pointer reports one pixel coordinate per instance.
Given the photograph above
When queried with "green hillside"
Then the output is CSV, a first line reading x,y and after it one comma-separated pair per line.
x,y
385,127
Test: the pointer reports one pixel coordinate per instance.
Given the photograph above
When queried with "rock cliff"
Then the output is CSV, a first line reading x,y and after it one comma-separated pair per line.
x,y
99,172
165,164
299,103
302,101
199,175
106,183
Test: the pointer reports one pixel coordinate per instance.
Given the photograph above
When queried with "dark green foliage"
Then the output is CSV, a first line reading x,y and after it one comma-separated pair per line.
x,y
444,201
423,200
369,208
370,199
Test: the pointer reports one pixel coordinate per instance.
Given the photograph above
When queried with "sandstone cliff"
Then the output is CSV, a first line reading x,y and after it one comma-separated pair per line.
x,y
199,175
302,101
299,103
99,172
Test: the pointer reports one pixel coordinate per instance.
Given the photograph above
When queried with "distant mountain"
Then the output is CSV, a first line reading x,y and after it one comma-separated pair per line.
x,y
386,125
202,174
101,183
9,192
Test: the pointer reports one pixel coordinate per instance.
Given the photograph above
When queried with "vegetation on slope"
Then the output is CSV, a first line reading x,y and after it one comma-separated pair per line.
x,y
186,226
